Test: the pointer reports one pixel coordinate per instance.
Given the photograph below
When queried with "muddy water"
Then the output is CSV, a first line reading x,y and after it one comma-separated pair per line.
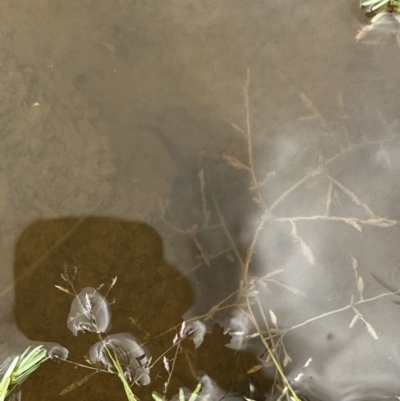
x,y
234,165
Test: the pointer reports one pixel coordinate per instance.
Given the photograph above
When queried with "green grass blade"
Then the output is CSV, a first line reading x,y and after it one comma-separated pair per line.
x,y
369,2
121,375
4,387
181,395
20,368
379,5
6,380
11,368
31,361
195,393
28,364
22,356
157,397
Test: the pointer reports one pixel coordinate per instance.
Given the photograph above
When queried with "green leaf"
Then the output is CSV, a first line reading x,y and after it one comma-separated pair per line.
x,y
157,397
22,356
6,380
31,361
20,368
382,3
28,363
11,368
121,375
369,2
4,387
195,393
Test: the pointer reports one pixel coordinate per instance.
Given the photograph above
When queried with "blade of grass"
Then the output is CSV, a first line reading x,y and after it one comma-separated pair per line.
x,y
20,368
121,375
369,2
379,5
195,393
157,397
6,380
29,363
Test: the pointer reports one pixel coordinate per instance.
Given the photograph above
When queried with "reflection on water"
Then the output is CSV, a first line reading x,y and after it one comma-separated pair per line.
x,y
131,355
90,311
235,165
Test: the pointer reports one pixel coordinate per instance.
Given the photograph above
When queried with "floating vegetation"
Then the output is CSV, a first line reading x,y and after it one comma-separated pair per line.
x,y
123,355
379,8
120,353
251,316
17,369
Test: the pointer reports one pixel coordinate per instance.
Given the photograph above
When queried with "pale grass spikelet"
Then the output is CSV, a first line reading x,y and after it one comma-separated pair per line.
x,y
298,377
62,289
360,286
371,331
286,360
175,339
353,321
354,224
88,302
350,194
166,364
182,331
381,222
306,250
232,161
75,272
329,198
273,273
240,130
255,369
274,320
113,282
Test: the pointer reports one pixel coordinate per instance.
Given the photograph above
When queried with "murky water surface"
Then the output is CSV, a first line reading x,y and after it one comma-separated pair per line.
x,y
200,191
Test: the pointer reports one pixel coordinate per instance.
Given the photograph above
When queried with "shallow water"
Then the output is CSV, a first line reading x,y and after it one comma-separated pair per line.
x,y
234,165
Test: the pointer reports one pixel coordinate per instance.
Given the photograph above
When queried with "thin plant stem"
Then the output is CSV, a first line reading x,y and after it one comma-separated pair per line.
x,y
272,356
172,368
